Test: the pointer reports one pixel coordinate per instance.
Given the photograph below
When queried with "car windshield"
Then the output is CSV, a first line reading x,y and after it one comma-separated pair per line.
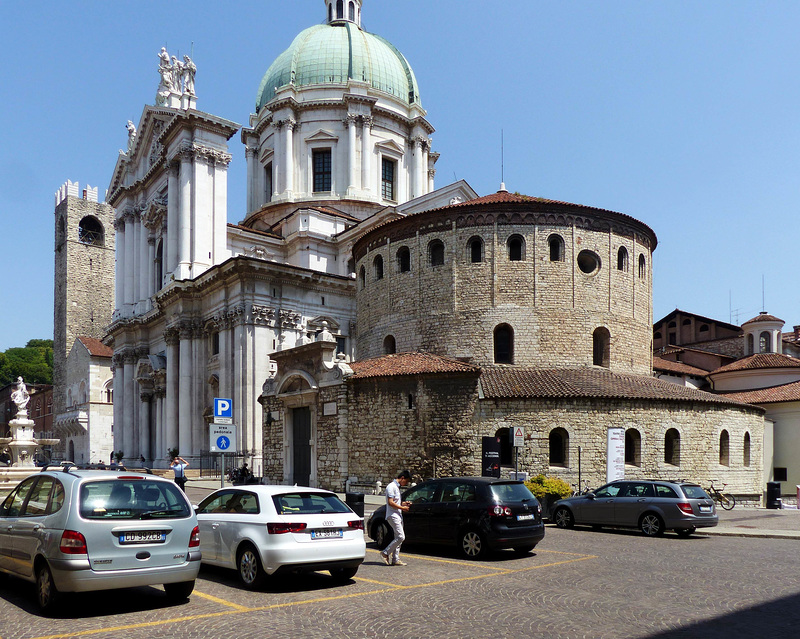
x,y
308,504
122,498
511,492
694,492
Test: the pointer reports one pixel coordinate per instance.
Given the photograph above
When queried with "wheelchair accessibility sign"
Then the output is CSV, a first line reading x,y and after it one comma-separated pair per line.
x,y
222,438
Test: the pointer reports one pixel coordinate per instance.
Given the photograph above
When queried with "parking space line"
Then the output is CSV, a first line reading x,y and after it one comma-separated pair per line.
x,y
235,606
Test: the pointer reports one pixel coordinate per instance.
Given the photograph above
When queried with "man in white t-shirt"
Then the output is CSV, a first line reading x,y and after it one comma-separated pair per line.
x,y
179,465
394,517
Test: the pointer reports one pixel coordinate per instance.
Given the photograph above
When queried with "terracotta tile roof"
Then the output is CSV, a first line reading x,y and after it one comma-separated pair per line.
x,y
677,367
96,348
774,394
595,383
256,231
760,360
410,364
763,317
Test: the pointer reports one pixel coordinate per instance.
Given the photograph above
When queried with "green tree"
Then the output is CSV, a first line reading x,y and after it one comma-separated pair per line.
x,y
33,362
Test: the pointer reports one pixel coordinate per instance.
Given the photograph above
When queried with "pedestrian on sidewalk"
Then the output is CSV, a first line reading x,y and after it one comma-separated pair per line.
x,y
179,465
394,517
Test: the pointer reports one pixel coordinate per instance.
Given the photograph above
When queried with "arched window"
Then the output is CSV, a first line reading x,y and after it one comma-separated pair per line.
x,y
686,322
556,244
516,248
672,447
503,344
506,448
765,342
642,267
750,343
746,453
622,259
633,447
159,267
403,259
657,335
362,277
436,253
389,345
72,451
90,231
559,447
82,393
108,390
601,347
475,250
352,12
330,13
724,448
340,9
377,267
38,409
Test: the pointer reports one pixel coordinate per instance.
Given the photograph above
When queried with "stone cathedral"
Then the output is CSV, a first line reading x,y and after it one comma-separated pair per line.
x,y
363,320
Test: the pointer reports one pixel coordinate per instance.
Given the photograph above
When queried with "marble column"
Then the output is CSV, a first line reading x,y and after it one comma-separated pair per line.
x,y
171,244
366,152
145,271
252,183
130,262
128,424
185,407
351,151
119,399
172,389
144,424
119,275
185,215
277,180
288,146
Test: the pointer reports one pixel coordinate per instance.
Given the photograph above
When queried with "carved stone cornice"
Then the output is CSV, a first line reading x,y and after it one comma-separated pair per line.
x,y
172,336
263,315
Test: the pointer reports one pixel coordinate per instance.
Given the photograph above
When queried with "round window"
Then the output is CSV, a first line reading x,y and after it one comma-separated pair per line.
x,y
588,262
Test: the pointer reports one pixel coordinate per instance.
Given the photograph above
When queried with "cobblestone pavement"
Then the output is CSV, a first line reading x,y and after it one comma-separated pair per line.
x,y
577,583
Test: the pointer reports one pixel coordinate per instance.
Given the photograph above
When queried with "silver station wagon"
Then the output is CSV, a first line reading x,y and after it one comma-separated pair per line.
x,y
650,505
70,530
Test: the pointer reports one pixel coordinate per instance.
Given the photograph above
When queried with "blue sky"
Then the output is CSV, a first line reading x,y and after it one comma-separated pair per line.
x,y
682,115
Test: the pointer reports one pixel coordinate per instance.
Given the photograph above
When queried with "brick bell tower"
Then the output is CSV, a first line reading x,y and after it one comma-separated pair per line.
x,y
84,275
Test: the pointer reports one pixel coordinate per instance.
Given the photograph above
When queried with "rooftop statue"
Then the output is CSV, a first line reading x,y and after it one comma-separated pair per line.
x,y
131,134
189,69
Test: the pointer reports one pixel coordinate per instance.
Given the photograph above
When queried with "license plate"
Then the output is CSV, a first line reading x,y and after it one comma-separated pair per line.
x,y
325,534
524,517
705,509
143,537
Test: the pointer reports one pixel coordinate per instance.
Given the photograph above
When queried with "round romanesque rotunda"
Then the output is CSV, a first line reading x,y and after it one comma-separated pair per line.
x,y
510,279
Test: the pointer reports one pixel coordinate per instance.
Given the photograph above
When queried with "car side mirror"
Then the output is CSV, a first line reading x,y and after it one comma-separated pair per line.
x,y
590,495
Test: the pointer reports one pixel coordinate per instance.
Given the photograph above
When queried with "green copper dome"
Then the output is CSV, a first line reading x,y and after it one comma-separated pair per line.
x,y
336,53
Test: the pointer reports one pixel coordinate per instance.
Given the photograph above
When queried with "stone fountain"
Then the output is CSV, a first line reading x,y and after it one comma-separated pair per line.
x,y
22,443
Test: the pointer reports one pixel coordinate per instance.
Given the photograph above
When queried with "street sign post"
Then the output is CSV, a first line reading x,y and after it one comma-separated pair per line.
x,y
222,434
223,410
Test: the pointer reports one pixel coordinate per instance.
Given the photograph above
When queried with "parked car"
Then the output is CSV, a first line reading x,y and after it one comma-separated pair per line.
x,y
264,530
652,506
475,514
71,530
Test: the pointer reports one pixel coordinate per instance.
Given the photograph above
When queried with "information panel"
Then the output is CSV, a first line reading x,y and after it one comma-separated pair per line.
x,y
222,438
615,468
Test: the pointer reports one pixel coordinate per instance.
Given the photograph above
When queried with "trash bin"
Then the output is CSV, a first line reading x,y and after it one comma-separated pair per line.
x,y
774,495
356,502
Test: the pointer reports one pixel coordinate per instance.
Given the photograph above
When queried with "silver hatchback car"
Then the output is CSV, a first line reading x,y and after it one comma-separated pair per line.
x,y
72,530
650,505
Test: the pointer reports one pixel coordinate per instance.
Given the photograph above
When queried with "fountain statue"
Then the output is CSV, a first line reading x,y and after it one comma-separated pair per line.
x,y
22,443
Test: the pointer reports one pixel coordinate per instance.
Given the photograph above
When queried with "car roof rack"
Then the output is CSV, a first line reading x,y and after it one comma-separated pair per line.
x,y
64,466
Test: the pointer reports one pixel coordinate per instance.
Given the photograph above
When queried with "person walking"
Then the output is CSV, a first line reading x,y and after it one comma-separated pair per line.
x,y
394,517
179,465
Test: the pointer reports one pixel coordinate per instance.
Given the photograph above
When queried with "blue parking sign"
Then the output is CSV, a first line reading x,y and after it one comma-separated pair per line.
x,y
223,407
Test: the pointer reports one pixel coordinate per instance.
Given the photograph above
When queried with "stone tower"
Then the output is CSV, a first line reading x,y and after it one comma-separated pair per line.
x,y
84,275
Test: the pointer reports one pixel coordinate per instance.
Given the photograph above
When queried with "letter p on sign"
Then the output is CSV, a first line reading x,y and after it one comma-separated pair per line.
x,y
223,407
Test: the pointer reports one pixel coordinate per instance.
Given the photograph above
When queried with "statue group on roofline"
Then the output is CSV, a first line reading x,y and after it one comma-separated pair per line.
x,y
176,76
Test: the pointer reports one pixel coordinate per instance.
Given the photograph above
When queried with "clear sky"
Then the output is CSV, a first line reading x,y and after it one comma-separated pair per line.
x,y
683,115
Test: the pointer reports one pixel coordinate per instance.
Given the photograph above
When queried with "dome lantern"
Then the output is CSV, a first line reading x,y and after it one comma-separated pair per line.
x,y
344,11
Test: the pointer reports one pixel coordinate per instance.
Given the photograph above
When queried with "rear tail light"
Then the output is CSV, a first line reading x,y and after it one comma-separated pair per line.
x,y
280,528
73,543
499,511
686,507
194,539
358,524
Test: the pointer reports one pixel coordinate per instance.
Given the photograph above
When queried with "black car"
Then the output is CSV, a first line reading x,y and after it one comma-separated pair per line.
x,y
476,514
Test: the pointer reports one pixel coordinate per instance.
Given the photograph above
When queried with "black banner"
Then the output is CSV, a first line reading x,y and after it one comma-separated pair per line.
x,y
491,457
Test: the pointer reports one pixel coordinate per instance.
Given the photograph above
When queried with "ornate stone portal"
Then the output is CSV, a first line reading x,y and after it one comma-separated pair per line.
x,y
22,443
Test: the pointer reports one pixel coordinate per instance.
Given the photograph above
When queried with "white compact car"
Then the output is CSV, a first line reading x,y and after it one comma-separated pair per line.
x,y
72,530
264,530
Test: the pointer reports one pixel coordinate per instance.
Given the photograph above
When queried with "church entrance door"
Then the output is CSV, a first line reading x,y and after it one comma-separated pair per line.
x,y
301,445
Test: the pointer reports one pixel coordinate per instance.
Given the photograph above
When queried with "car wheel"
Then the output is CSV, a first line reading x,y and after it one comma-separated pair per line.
x,y
179,591
249,565
563,518
473,544
46,592
524,550
343,574
685,532
383,535
651,525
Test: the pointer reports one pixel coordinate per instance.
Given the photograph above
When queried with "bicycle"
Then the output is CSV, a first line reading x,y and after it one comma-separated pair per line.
x,y
726,500
577,492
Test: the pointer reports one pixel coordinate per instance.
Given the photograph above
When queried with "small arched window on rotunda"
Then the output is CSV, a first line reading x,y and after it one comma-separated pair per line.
x,y
503,344
750,343
559,447
90,231
672,447
340,10
516,248
601,347
746,452
362,277
622,259
403,259
633,447
389,345
556,245
642,267
724,448
377,267
352,12
765,342
475,250
436,252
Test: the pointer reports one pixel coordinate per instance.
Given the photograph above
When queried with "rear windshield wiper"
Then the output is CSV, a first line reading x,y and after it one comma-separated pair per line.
x,y
160,513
